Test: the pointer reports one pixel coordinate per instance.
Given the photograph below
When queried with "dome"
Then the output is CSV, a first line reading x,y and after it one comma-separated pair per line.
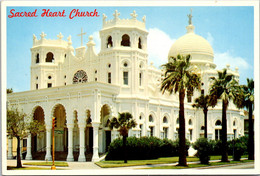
x,y
193,44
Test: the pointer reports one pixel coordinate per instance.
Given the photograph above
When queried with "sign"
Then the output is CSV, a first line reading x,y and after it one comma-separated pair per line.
x,y
58,131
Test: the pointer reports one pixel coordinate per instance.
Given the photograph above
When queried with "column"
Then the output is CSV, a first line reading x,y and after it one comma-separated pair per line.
x,y
82,127
29,148
10,148
48,144
70,140
95,141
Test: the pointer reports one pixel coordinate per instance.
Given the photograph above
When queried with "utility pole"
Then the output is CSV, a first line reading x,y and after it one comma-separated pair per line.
x,y
53,147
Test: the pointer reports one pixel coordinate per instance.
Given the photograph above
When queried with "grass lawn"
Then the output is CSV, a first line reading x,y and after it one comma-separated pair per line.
x,y
200,165
164,160
120,163
44,163
28,168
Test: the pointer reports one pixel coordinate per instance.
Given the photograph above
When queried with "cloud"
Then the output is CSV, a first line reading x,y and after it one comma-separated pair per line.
x,y
222,59
210,38
158,46
97,41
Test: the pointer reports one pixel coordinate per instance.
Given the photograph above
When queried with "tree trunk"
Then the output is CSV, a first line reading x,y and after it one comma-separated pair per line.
x,y
251,134
182,140
205,122
124,148
224,132
18,157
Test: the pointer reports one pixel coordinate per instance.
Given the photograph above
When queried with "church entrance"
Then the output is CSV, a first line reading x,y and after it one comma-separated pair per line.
x,y
108,139
104,130
60,131
38,141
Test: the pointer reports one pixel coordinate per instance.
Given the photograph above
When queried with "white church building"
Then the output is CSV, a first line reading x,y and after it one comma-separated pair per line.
x,y
84,90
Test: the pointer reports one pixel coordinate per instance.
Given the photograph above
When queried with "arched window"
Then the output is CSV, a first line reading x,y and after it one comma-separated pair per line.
x,y
125,40
165,120
109,42
150,118
37,58
217,130
80,77
190,122
140,78
49,57
125,77
218,123
177,121
140,43
234,123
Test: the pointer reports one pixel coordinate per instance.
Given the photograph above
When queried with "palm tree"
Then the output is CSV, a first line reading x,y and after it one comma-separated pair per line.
x,y
224,87
203,102
245,98
181,78
123,123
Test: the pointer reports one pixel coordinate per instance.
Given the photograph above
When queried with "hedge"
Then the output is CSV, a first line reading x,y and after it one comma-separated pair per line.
x,y
144,148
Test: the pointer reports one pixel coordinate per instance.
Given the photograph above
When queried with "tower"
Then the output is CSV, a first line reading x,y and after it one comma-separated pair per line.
x,y
46,56
124,52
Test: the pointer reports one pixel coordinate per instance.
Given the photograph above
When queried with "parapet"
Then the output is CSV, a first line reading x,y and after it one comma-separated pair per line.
x,y
133,22
48,42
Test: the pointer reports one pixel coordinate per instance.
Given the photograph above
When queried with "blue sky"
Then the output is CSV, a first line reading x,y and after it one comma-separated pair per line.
x,y
230,31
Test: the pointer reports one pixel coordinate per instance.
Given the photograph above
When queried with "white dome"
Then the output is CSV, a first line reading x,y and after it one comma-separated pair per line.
x,y
193,44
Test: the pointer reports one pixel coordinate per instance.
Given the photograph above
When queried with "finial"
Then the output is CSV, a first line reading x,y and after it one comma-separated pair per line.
x,y
69,40
90,37
34,37
144,18
104,17
228,66
60,36
43,35
81,35
116,14
236,69
190,17
134,15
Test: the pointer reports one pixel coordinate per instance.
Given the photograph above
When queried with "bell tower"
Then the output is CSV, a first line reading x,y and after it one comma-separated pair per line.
x,y
124,52
46,58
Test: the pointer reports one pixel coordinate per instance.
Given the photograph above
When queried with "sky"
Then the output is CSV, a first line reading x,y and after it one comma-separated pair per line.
x,y
229,30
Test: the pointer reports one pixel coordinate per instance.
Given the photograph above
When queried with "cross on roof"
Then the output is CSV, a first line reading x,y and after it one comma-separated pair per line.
x,y
190,17
134,15
43,35
81,35
60,36
116,14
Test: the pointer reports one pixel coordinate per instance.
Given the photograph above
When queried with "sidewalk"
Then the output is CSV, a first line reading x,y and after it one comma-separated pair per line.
x,y
90,165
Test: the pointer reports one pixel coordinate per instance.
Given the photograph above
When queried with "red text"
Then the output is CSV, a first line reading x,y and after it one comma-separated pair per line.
x,y
22,14
76,13
47,13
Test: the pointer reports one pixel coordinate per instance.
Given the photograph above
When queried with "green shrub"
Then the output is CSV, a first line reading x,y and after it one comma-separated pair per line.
x,y
239,147
204,148
216,147
144,148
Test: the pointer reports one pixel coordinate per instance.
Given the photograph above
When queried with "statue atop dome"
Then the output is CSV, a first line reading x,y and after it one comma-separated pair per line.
x,y
190,17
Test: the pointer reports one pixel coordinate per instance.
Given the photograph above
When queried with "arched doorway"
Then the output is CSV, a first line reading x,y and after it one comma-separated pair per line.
x,y
104,130
38,141
60,131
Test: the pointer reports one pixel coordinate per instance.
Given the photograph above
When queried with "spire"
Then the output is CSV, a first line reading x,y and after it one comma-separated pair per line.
x,y
190,28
